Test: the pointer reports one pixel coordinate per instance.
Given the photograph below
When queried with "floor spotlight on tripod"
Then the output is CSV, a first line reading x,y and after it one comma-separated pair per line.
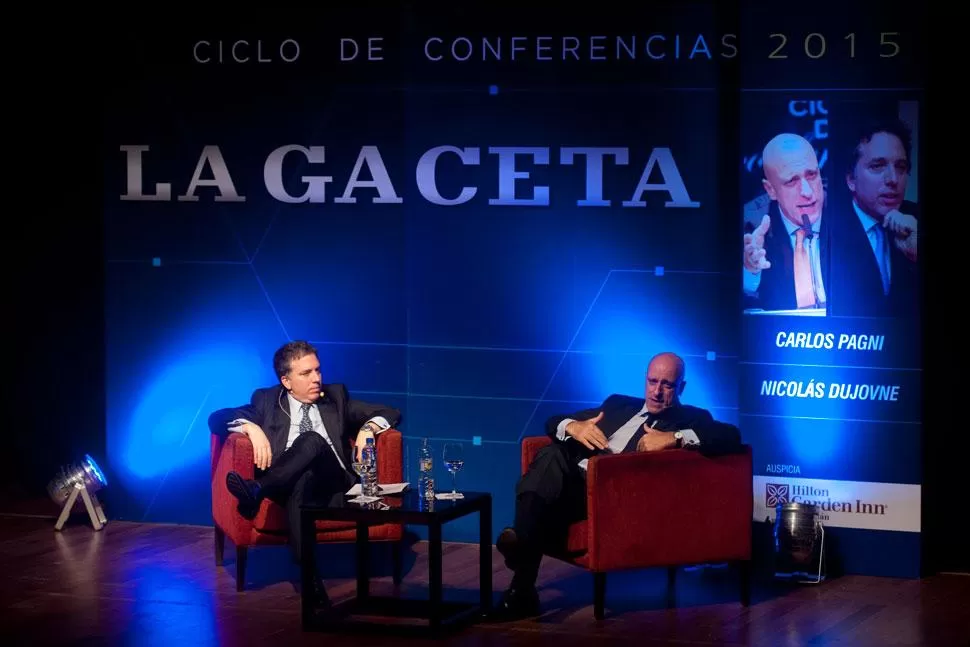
x,y
83,478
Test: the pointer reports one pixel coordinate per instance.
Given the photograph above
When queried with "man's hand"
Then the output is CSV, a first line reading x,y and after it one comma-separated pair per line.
x,y
367,431
262,454
655,441
586,432
903,227
754,247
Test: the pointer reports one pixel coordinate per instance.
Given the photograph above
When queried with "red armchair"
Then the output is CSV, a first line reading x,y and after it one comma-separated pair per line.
x,y
670,508
269,527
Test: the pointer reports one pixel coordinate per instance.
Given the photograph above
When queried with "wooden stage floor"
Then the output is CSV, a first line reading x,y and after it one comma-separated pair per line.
x,y
148,584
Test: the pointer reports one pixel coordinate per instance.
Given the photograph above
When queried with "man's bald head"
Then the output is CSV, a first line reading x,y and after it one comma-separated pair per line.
x,y
669,362
665,381
792,177
783,147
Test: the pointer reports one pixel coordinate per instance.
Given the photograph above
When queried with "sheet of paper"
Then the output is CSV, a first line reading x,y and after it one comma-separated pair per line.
x,y
448,496
386,488
366,499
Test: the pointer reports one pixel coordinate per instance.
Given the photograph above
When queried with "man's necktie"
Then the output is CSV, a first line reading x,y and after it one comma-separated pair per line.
x,y
631,445
815,255
804,290
305,424
882,256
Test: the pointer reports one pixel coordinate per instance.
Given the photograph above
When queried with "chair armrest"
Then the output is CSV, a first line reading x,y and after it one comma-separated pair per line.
x,y
231,453
668,508
219,434
390,457
530,447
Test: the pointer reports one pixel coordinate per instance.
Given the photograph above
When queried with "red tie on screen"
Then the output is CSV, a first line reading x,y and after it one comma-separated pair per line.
x,y
804,290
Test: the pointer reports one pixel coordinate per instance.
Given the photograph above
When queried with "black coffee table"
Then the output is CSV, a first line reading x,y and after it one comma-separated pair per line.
x,y
405,508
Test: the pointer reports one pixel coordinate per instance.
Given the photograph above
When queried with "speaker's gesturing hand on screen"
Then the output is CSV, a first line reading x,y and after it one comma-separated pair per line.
x,y
903,227
262,454
754,247
586,432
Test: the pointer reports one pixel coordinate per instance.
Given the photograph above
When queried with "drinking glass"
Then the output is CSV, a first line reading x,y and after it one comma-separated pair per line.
x,y
360,469
454,461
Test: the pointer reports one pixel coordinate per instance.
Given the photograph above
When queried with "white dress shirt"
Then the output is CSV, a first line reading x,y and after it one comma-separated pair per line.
x,y
618,441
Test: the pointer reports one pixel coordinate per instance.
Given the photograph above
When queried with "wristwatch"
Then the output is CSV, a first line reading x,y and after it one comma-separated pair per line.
x,y
679,437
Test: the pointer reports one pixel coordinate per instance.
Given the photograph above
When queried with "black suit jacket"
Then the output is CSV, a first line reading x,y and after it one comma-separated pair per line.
x,y
777,288
716,437
857,287
342,416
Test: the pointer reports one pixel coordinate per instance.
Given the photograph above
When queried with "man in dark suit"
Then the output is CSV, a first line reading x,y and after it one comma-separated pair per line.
x,y
786,256
874,247
551,495
301,431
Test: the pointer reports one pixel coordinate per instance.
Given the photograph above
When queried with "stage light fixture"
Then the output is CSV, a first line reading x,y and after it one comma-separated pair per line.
x,y
83,478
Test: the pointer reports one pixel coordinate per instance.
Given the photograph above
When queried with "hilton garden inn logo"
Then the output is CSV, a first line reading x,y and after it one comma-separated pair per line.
x,y
776,494
848,504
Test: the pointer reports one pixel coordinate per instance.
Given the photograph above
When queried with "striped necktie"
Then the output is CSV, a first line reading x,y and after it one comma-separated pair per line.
x,y
305,424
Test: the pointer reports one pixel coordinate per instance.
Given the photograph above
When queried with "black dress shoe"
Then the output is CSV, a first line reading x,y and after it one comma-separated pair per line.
x,y
246,491
509,546
516,603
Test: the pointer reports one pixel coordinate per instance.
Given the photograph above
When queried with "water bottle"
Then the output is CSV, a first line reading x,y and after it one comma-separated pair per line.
x,y
368,480
426,467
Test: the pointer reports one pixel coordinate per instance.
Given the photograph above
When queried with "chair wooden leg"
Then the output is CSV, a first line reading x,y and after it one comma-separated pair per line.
x,y
220,545
397,557
671,587
241,554
599,595
745,583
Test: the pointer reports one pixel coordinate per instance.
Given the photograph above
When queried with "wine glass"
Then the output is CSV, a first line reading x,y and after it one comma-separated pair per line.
x,y
454,461
360,469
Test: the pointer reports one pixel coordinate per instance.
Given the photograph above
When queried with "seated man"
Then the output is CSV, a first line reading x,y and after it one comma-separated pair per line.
x,y
301,431
551,495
